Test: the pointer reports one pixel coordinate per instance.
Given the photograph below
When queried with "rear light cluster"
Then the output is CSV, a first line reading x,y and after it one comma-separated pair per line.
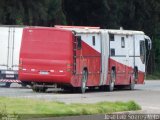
x,y
52,71
69,67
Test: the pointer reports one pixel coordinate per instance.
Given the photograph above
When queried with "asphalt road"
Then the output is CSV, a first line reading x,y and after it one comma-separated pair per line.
x,y
147,95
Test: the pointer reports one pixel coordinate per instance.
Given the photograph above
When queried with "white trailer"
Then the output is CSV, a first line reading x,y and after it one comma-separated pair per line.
x,y
10,41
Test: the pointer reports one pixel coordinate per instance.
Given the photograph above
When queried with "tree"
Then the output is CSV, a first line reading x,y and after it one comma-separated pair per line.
x,y
84,12
31,12
130,14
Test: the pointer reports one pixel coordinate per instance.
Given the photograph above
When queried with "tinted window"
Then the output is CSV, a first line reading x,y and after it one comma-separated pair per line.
x,y
79,42
93,40
111,37
122,42
112,52
142,51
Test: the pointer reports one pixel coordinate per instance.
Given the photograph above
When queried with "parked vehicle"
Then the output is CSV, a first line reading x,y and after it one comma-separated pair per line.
x,y
82,57
10,41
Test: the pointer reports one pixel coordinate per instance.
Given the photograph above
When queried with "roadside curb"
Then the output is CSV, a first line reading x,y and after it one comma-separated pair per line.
x,y
95,117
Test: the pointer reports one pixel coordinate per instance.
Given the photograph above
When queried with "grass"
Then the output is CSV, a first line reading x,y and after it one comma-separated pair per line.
x,y
153,76
41,108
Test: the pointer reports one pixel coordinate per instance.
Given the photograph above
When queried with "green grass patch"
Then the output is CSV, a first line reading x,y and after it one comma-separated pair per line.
x,y
42,108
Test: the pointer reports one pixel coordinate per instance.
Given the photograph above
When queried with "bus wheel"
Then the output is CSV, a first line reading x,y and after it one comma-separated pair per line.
x,y
39,89
112,81
132,84
35,89
84,80
43,89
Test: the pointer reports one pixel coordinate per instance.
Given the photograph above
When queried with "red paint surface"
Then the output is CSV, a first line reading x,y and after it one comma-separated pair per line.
x,y
91,59
45,49
124,73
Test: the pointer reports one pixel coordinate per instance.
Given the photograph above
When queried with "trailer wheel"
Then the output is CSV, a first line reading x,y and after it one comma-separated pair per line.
x,y
23,84
84,80
112,81
8,84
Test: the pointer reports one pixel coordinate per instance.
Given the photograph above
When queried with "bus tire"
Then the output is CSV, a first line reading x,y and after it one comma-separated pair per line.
x,y
39,89
43,89
83,81
112,81
35,89
132,84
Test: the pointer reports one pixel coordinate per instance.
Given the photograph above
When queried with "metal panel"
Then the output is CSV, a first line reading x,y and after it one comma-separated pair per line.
x,y
16,47
10,40
4,36
105,56
125,32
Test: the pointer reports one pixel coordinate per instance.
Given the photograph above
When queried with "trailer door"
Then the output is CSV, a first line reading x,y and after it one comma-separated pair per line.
x,y
10,40
4,38
16,47
10,48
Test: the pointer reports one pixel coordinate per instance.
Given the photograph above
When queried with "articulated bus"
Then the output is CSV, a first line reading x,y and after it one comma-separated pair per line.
x,y
82,57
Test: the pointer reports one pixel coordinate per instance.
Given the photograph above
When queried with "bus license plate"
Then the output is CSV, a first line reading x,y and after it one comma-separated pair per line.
x,y
9,76
43,72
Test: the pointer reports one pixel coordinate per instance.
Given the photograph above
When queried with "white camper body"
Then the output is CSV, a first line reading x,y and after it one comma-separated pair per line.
x,y
120,55
10,41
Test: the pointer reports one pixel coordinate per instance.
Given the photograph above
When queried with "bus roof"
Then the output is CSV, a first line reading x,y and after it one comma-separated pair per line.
x,y
90,30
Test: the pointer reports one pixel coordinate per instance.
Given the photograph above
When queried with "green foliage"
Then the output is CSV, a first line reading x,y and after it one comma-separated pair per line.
x,y
31,12
41,108
154,76
130,14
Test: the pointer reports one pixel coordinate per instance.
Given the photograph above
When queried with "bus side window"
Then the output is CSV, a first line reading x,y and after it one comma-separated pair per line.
x,y
93,41
122,42
111,37
112,52
142,51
